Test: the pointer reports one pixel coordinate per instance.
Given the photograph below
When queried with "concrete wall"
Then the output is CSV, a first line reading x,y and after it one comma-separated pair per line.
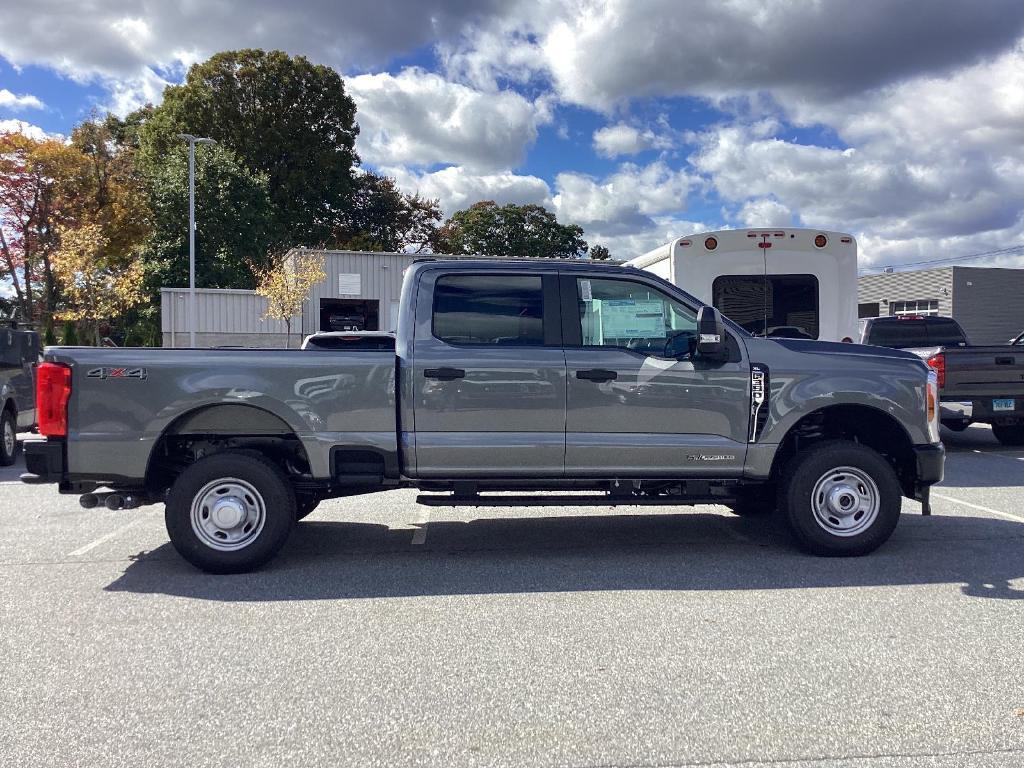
x,y
907,286
989,303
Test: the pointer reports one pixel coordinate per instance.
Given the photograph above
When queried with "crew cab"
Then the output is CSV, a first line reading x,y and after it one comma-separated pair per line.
x,y
522,376
983,384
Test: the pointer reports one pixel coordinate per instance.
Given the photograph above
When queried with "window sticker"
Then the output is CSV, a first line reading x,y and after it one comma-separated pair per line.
x,y
586,294
632,319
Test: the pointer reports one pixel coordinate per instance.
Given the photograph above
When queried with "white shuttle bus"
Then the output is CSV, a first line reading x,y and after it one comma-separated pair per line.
x,y
784,283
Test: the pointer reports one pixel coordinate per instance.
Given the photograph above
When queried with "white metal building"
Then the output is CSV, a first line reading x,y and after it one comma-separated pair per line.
x,y
361,292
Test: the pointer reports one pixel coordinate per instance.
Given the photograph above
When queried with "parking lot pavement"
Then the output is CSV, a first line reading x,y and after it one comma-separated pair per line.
x,y
389,634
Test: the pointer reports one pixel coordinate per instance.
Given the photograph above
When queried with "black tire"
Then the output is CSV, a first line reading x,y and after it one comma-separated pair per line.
x,y
235,470
754,502
1009,434
304,506
825,464
8,438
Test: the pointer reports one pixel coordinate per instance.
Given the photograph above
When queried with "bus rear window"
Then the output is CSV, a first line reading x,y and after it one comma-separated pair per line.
x,y
779,306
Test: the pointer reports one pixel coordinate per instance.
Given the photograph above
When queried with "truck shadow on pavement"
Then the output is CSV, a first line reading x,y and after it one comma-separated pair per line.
x,y
326,560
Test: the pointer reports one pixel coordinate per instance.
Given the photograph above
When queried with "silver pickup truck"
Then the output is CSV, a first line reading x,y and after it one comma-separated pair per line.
x,y
520,377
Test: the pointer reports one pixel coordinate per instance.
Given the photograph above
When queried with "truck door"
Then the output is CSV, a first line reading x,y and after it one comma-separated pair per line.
x,y
639,403
488,375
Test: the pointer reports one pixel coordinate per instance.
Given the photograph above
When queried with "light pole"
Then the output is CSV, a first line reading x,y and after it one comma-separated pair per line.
x,y
192,141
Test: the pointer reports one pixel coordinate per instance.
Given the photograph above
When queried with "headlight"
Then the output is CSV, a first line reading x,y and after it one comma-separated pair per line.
x,y
932,399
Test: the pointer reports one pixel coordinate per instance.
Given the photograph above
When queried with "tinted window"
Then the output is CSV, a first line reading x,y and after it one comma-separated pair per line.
x,y
944,332
623,313
899,334
489,309
789,304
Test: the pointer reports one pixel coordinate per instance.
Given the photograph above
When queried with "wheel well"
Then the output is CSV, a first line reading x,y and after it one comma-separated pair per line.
x,y
9,406
214,429
860,423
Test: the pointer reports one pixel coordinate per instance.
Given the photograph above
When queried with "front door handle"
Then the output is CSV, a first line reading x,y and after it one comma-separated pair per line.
x,y
444,374
597,374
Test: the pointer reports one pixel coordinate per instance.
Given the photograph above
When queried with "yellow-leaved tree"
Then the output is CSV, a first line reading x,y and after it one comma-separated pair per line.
x,y
286,283
95,288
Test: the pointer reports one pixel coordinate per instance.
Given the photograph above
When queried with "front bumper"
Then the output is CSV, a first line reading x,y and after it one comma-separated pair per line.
x,y
44,460
931,460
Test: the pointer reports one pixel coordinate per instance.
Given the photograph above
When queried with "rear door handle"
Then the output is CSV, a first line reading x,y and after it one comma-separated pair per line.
x,y
444,374
597,374
1004,361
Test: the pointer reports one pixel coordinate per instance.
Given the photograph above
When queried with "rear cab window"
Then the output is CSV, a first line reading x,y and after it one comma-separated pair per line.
x,y
492,310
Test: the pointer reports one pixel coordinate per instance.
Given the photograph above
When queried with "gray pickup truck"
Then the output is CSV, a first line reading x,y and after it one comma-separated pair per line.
x,y
521,377
977,385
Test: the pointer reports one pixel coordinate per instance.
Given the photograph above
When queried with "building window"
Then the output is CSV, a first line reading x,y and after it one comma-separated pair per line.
x,y
868,309
919,307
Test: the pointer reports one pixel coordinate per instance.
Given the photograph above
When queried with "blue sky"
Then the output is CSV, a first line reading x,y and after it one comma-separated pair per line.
x,y
627,117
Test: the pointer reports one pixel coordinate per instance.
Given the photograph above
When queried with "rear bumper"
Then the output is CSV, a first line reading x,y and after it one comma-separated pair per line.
x,y
950,411
931,460
44,461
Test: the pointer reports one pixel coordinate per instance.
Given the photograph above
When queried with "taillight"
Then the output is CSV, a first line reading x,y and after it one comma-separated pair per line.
x,y
53,390
938,364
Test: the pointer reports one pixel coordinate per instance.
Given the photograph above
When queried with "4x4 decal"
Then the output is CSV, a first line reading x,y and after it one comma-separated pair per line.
x,y
118,373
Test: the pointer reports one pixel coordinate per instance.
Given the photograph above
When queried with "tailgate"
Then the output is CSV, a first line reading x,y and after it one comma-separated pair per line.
x,y
984,372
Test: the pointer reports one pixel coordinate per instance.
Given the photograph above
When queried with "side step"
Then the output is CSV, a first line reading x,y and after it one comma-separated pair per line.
x,y
567,500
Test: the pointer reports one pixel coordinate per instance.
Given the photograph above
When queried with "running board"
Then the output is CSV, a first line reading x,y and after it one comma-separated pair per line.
x,y
600,500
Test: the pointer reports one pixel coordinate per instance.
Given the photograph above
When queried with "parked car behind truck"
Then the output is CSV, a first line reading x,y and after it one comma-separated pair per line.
x,y
977,385
523,377
19,355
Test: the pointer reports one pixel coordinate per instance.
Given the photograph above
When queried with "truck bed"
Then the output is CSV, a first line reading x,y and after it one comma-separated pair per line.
x,y
124,399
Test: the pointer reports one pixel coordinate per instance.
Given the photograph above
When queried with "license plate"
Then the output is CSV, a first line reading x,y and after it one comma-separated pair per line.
x,y
1003,405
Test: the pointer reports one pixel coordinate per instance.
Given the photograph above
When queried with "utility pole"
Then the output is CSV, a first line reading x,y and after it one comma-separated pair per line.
x,y
192,141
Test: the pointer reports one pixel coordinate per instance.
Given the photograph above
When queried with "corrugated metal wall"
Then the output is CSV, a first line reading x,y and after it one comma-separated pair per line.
x,y
380,278
908,286
989,303
218,311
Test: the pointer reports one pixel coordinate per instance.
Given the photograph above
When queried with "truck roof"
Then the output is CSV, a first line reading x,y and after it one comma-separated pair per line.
x,y
542,264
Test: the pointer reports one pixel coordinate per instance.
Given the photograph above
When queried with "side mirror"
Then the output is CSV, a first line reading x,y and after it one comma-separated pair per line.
x,y
711,345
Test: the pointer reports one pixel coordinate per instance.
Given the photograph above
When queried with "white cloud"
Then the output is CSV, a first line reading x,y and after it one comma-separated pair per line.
x,y
622,139
419,118
28,129
627,201
765,212
130,93
457,187
16,103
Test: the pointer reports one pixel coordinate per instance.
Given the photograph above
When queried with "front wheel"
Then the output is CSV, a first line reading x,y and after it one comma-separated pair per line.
x,y
841,498
230,512
1009,434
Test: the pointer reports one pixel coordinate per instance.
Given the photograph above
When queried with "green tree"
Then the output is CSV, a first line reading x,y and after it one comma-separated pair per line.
x,y
599,253
519,231
383,218
284,118
235,224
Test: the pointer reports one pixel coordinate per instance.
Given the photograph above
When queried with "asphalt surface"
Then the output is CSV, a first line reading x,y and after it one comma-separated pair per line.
x,y
389,634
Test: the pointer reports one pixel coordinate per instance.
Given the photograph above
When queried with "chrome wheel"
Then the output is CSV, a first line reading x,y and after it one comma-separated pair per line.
x,y
845,501
10,437
228,514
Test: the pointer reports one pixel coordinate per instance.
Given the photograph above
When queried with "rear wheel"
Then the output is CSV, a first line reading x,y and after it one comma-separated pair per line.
x,y
1009,434
8,438
230,513
841,498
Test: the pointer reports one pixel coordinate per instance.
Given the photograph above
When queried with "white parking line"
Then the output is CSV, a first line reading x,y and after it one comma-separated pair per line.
x,y
103,539
997,455
980,508
420,535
